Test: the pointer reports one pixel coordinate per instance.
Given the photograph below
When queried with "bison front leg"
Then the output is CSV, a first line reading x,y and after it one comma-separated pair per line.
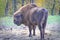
x,y
30,31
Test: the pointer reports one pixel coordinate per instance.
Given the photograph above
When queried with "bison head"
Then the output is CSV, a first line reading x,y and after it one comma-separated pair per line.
x,y
18,18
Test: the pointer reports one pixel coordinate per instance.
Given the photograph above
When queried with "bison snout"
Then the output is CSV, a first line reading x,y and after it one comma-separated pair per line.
x,y
16,22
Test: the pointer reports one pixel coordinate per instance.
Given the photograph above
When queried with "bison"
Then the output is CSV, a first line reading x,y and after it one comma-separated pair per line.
x,y
32,15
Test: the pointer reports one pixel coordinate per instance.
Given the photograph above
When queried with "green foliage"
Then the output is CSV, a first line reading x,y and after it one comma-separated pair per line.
x,y
49,6
41,3
2,7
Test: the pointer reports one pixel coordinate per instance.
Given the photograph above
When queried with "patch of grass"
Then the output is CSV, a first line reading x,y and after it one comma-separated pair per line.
x,y
53,19
7,21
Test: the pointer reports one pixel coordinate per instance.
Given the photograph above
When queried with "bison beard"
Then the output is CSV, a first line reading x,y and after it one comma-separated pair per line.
x,y
31,15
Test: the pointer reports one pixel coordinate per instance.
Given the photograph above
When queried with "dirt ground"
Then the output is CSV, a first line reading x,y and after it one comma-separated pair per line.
x,y
22,34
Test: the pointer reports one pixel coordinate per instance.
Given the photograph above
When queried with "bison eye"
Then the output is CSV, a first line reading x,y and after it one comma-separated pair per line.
x,y
17,16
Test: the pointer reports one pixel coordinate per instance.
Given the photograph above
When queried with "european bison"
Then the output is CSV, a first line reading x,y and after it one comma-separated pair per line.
x,y
31,15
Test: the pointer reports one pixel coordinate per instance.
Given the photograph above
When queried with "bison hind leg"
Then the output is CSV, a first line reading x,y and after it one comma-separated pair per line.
x,y
34,27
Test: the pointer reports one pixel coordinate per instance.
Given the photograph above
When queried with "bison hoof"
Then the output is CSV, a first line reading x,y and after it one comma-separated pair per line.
x,y
42,39
30,35
34,35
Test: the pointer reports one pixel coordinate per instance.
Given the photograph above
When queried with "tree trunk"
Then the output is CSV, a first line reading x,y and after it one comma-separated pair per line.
x,y
31,1
14,5
52,11
59,11
6,8
22,2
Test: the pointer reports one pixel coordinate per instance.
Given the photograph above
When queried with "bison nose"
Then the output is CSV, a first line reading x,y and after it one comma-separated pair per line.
x,y
16,22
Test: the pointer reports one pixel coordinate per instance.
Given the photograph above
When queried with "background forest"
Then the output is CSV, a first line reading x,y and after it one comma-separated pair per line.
x,y
10,31
8,7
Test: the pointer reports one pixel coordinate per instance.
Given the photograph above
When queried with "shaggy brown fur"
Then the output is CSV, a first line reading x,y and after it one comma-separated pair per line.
x,y
24,10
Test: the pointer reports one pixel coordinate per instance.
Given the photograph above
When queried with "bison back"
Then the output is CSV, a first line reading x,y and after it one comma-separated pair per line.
x,y
37,15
